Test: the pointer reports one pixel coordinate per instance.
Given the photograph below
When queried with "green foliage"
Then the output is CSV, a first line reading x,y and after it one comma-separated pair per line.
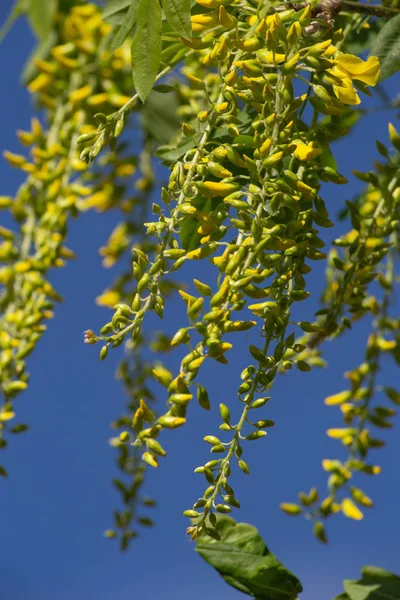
x,y
177,13
386,47
243,560
16,11
146,47
115,11
375,584
158,115
41,15
127,25
246,130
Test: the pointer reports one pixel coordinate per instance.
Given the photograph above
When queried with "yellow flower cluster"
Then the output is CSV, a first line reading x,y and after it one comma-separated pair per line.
x,y
248,189
363,256
55,188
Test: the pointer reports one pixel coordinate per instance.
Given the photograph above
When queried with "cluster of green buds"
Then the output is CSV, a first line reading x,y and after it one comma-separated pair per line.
x,y
243,193
135,373
77,75
367,257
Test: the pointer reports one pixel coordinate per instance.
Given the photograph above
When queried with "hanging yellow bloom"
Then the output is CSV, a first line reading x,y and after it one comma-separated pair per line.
x,y
349,67
108,298
350,510
269,57
345,92
305,151
356,68
7,415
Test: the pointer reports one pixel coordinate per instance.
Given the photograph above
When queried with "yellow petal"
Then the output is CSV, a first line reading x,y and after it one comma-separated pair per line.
x,y
346,92
365,71
350,510
337,433
267,56
109,298
338,398
7,415
306,151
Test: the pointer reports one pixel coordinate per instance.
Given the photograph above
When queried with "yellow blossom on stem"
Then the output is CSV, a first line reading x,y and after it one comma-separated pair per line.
x,y
366,71
108,298
349,67
346,91
306,151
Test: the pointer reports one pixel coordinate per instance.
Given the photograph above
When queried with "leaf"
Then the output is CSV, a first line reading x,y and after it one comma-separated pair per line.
x,y
177,13
163,88
127,25
146,47
40,51
326,158
172,152
244,561
114,7
13,15
387,48
159,117
360,40
41,15
375,584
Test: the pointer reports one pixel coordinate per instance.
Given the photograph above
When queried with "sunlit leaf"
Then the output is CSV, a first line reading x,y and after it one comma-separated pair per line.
x,y
115,8
387,48
127,25
177,13
244,561
146,47
41,15
375,584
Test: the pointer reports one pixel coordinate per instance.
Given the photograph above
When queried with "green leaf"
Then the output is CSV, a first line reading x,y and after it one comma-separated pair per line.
x,y
163,88
171,152
177,13
146,47
15,12
326,158
40,51
127,25
387,48
244,561
114,7
41,15
375,584
158,117
361,41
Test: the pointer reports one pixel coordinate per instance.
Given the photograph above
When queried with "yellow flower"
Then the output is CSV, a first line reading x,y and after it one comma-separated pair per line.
x,y
269,57
7,415
108,298
338,398
349,67
350,510
345,92
337,434
356,68
306,151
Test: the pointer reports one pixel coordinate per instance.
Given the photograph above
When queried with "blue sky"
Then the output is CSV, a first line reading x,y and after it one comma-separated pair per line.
x,y
58,498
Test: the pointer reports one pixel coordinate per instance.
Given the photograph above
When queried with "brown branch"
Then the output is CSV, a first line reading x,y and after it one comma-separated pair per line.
x,y
327,10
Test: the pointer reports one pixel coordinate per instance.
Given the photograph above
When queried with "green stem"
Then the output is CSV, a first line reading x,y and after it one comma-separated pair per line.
x,y
369,9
